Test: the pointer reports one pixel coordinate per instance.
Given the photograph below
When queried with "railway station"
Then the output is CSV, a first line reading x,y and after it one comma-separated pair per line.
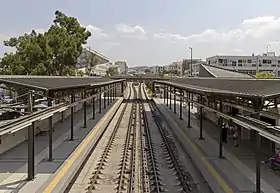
x,y
140,134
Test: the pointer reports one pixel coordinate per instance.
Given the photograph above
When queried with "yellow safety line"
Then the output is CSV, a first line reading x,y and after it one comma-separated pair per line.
x,y
76,154
214,173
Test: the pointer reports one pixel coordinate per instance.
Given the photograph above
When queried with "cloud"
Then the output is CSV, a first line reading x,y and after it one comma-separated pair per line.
x,y
260,27
96,32
135,31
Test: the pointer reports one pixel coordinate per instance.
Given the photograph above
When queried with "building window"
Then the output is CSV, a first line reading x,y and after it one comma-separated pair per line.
x,y
239,64
273,65
278,61
254,65
239,61
249,61
233,63
269,61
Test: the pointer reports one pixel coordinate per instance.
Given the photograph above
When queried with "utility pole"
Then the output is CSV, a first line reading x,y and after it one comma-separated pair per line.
x,y
191,61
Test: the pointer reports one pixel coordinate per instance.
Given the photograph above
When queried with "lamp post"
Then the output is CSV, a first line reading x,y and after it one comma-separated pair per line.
x,y
191,60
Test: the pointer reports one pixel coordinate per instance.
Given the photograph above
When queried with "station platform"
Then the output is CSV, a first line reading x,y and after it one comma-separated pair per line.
x,y
13,163
233,173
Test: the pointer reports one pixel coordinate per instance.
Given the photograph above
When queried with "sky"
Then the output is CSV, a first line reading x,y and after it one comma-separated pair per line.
x,y
156,32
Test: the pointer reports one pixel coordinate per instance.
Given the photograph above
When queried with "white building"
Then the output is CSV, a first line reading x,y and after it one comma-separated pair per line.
x,y
82,61
101,69
195,68
248,64
122,67
156,70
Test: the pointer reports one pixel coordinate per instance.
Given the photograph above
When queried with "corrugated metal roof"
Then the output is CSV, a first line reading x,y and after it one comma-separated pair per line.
x,y
54,83
223,73
251,88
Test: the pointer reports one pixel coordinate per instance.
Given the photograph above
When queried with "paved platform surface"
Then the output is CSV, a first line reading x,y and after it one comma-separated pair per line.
x,y
13,163
235,173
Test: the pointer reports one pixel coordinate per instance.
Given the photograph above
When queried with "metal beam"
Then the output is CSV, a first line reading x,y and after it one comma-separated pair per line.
x,y
104,99
50,133
31,144
93,108
201,121
72,118
221,132
181,104
170,98
189,111
85,110
174,100
100,100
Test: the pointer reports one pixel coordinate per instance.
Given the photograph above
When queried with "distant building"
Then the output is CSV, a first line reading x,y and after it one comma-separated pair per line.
x,y
186,67
122,67
155,70
253,64
101,69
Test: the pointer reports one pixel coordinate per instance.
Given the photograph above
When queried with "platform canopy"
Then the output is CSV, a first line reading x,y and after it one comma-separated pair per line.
x,y
56,83
230,87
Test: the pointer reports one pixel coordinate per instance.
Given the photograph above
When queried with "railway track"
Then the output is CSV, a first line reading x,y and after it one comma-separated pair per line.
x,y
135,154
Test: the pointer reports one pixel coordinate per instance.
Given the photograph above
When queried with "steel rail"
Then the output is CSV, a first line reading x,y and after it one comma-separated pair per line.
x,y
133,150
103,160
121,180
149,140
179,172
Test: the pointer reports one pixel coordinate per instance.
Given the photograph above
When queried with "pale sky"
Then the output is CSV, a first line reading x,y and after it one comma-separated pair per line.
x,y
150,32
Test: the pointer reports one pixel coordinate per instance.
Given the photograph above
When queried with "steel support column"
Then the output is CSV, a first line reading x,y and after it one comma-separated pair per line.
x,y
122,89
170,98
153,89
72,118
167,93
93,106
100,100
181,104
31,142
174,100
258,164
104,98
189,111
257,139
85,110
108,95
220,122
50,133
201,119
164,94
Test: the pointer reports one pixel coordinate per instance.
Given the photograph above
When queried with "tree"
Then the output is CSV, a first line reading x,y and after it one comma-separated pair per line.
x,y
111,71
265,75
80,73
54,52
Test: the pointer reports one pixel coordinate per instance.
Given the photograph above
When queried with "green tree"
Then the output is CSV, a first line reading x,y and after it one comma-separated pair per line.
x,y
265,75
111,71
80,73
54,52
